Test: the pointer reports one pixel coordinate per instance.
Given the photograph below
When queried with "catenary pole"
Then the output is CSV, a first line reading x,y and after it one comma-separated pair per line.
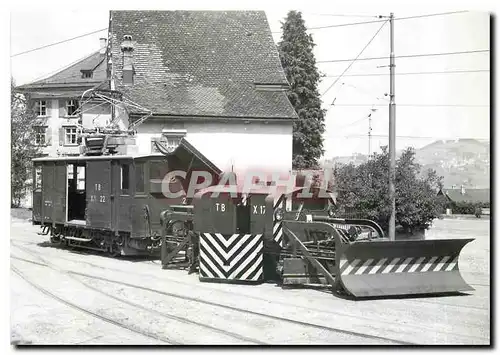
x,y
392,136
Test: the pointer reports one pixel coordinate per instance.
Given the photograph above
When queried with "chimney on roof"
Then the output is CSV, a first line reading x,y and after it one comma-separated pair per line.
x,y
462,189
127,48
102,45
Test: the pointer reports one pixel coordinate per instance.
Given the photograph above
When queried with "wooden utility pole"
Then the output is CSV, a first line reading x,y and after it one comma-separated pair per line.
x,y
392,138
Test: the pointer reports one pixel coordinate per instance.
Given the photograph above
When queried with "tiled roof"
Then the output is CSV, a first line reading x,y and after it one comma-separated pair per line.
x,y
470,195
72,75
201,63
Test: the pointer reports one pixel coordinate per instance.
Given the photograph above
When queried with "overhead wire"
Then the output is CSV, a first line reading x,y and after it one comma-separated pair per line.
x,y
415,105
56,43
407,56
416,73
340,15
350,65
379,16
407,137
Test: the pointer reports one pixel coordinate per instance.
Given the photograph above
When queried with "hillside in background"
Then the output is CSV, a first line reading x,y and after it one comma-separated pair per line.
x,y
461,162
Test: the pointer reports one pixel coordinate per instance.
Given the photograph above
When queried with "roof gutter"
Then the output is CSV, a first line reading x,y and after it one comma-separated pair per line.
x,y
63,86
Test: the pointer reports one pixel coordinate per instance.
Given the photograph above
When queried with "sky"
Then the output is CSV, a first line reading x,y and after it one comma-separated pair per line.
x,y
429,107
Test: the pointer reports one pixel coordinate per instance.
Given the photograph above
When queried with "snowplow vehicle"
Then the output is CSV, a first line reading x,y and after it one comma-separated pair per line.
x,y
261,236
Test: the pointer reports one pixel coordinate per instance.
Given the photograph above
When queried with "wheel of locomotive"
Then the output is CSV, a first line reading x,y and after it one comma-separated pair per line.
x,y
114,249
114,252
55,240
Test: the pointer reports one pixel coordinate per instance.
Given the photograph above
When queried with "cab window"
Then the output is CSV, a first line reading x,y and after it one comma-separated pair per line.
x,y
125,179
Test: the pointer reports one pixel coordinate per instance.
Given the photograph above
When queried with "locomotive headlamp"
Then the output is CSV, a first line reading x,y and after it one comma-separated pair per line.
x,y
278,214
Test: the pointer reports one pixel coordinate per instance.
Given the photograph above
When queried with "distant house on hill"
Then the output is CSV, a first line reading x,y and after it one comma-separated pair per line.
x,y
459,200
466,195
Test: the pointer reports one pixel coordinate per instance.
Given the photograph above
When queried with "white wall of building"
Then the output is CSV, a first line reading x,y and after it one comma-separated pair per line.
x,y
94,115
236,146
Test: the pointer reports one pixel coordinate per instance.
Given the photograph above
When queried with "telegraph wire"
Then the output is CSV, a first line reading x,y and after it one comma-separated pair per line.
x,y
416,73
53,44
340,15
407,137
379,16
414,105
430,15
407,56
354,60
352,124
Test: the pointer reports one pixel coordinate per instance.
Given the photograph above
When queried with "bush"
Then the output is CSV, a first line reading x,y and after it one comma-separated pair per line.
x,y
466,207
363,191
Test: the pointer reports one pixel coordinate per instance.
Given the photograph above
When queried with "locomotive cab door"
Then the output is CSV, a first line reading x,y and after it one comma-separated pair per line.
x,y
99,193
54,192
76,195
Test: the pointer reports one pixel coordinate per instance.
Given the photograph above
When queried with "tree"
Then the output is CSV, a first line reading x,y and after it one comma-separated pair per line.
x,y
363,191
299,64
22,145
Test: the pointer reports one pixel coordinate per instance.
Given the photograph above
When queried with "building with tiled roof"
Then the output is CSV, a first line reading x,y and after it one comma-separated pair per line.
x,y
56,103
212,76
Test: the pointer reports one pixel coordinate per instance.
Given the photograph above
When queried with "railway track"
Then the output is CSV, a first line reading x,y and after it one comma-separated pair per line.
x,y
44,263
136,330
133,304
417,300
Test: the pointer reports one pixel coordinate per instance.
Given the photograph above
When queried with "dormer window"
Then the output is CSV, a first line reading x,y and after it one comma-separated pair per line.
x,y
86,74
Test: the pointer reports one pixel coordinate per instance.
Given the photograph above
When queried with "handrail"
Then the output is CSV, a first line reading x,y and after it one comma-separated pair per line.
x,y
348,221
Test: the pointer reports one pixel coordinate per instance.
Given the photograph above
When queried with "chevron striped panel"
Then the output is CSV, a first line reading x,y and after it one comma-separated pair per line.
x,y
231,257
399,265
277,231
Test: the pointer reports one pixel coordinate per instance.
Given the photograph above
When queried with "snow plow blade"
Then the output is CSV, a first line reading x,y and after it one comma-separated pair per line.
x,y
392,268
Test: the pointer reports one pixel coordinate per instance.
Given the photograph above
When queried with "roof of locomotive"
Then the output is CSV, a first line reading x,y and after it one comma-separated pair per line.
x,y
97,157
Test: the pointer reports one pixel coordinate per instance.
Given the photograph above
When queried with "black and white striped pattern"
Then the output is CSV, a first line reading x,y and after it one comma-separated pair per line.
x,y
277,230
398,265
342,226
231,257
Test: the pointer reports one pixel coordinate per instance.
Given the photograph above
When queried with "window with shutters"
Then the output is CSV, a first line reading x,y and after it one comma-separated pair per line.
x,y
41,108
40,134
70,135
72,107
